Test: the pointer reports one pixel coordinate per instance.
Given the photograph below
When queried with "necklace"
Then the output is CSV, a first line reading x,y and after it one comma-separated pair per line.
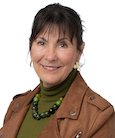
x,y
35,110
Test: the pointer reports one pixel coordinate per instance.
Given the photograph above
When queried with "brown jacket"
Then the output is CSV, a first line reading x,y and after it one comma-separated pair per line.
x,y
83,114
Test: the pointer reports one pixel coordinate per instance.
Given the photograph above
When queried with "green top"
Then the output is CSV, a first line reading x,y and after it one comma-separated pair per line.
x,y
31,127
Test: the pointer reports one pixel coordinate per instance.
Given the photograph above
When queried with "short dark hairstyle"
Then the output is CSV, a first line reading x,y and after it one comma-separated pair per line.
x,y
64,17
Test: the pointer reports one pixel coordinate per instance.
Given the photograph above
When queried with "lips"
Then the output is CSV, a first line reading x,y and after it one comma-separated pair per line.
x,y
50,68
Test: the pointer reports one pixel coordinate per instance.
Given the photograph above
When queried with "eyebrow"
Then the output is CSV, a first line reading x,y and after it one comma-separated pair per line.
x,y
43,39
60,39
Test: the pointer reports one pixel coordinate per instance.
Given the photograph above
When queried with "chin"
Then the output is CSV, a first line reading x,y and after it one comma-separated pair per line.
x,y
50,83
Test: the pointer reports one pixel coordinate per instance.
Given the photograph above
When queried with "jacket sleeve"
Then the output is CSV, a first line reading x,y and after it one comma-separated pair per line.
x,y
104,126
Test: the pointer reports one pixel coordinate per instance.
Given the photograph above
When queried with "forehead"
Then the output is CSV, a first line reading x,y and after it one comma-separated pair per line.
x,y
54,30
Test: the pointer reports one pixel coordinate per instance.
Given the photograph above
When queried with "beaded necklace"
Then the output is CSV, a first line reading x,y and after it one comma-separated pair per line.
x,y
35,110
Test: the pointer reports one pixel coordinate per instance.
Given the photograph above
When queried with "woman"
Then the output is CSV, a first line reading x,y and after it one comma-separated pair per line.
x,y
62,105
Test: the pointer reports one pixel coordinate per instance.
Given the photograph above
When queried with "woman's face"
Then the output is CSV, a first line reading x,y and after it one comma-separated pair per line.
x,y
53,57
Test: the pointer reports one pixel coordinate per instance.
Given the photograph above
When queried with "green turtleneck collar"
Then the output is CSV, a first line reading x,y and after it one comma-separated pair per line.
x,y
59,90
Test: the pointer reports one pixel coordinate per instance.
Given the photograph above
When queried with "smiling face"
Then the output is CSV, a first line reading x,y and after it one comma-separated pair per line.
x,y
54,56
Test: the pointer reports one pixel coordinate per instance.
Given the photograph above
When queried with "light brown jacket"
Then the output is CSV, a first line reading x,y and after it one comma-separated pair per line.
x,y
83,114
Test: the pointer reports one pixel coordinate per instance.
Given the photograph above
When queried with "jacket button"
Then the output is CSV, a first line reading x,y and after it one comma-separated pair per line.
x,y
92,97
73,113
79,134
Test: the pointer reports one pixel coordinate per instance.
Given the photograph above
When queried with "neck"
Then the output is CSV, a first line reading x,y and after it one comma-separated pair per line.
x,y
60,89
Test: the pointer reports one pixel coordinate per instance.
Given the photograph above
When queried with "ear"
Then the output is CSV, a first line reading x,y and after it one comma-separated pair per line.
x,y
30,53
80,51
82,47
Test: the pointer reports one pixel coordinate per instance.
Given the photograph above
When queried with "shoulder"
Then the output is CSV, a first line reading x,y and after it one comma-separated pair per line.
x,y
21,94
97,100
19,99
28,94
15,105
101,114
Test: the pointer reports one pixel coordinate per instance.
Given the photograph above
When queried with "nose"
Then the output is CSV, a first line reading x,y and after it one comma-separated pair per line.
x,y
51,54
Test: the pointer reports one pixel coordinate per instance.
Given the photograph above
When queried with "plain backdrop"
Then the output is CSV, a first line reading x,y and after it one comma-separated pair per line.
x,y
16,17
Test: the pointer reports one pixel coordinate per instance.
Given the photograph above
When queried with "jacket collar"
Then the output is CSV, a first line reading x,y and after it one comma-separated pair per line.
x,y
71,104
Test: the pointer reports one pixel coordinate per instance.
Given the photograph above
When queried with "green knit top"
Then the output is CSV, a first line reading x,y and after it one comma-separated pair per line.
x,y
31,127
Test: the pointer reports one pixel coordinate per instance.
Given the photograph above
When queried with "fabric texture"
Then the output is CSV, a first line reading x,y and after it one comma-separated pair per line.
x,y
83,113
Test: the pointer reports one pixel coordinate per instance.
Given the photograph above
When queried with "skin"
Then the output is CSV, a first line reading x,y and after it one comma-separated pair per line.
x,y
53,57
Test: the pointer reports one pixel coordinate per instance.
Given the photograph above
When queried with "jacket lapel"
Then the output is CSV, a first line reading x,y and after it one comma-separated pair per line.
x,y
70,108
71,105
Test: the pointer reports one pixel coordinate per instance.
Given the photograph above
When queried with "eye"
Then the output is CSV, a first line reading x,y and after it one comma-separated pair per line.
x,y
40,43
62,45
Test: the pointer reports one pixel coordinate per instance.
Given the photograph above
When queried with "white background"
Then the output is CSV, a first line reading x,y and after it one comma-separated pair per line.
x,y
16,17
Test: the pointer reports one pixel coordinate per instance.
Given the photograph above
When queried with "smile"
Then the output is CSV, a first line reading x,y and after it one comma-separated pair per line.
x,y
50,68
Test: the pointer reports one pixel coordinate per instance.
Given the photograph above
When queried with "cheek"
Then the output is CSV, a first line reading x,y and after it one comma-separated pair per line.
x,y
35,55
69,58
34,58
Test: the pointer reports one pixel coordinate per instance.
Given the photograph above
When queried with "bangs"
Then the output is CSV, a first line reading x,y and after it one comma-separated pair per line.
x,y
63,30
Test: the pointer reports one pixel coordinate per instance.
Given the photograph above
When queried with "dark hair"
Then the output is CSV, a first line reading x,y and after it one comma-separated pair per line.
x,y
65,18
